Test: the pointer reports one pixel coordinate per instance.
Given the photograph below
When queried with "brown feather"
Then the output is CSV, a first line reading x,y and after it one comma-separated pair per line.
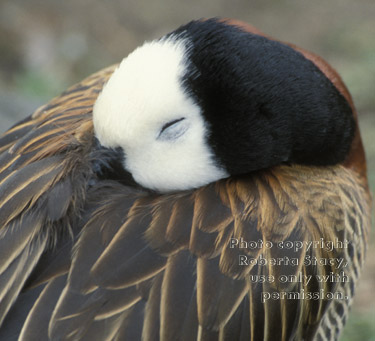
x,y
178,290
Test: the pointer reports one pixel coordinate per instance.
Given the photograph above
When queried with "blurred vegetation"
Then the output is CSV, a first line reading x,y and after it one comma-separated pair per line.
x,y
46,46
360,326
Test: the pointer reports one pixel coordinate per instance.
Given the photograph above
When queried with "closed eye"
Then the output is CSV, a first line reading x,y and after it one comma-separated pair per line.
x,y
173,129
171,123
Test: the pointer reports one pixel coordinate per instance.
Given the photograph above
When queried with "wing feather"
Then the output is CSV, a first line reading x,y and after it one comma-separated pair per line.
x,y
138,260
238,327
16,274
36,324
178,290
152,313
218,295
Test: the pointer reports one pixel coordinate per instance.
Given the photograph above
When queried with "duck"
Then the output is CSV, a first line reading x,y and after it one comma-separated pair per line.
x,y
211,186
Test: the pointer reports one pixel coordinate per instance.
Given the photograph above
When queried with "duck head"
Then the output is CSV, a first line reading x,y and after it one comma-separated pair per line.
x,y
210,100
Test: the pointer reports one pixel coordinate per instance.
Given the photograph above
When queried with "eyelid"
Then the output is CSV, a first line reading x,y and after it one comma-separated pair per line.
x,y
173,129
171,123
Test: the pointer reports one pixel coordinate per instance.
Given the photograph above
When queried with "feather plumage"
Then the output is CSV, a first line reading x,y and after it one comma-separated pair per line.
x,y
109,261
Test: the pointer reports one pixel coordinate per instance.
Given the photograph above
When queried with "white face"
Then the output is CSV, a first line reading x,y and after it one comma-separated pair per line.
x,y
144,110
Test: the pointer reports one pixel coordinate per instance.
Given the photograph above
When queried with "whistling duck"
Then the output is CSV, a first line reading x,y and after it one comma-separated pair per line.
x,y
206,188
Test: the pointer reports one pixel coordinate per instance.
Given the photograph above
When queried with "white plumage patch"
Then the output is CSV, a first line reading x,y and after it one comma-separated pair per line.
x,y
144,109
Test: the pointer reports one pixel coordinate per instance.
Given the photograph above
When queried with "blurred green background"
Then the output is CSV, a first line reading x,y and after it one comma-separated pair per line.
x,y
46,46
